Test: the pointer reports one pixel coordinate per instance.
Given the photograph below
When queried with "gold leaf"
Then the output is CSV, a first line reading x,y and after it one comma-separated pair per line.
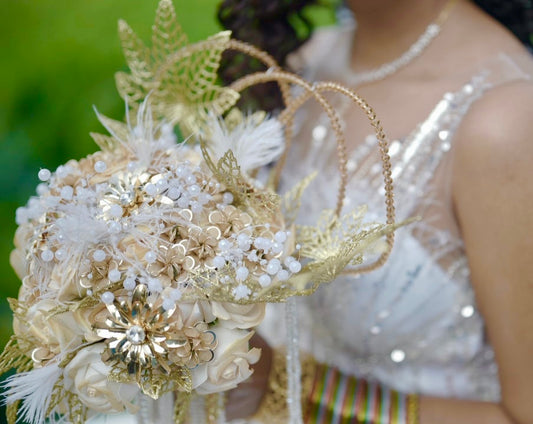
x,y
117,129
11,412
13,356
129,89
181,407
136,53
105,142
261,204
167,34
291,201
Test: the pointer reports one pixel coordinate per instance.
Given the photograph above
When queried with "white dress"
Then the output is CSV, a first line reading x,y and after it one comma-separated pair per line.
x,y
412,325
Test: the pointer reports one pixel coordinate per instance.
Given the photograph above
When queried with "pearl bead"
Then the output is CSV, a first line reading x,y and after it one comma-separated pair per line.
x,y
47,255
175,294
282,275
154,285
467,311
99,255
168,304
114,275
242,273
60,255
227,198
107,297
150,257
265,280
194,189
129,283
44,174
295,266
150,189
219,262
67,192
100,166
280,236
273,266
116,211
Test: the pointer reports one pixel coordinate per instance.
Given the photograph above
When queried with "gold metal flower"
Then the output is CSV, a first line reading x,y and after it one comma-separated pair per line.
x,y
137,333
196,346
230,220
174,264
203,241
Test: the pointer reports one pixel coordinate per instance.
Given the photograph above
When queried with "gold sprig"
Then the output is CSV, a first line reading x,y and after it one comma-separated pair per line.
x,y
180,77
261,204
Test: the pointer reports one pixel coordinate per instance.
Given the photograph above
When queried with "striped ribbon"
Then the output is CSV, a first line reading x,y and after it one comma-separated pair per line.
x,y
339,399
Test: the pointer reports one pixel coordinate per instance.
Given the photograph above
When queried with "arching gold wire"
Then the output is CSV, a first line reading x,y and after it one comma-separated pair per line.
x,y
315,90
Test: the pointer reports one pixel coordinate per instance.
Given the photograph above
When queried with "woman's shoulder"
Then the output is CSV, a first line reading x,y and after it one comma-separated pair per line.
x,y
502,117
493,150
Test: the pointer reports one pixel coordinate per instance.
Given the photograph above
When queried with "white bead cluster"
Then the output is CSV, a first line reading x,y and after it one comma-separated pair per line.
x,y
114,219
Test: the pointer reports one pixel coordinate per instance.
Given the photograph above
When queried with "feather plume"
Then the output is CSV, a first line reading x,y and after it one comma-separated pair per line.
x,y
253,144
35,389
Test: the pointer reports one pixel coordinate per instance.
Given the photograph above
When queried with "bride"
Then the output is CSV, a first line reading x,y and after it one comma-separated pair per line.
x,y
443,333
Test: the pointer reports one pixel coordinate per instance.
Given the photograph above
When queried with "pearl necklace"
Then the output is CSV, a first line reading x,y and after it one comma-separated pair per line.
x,y
416,49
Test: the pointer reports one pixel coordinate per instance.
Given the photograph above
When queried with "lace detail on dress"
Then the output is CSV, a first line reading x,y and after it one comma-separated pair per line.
x,y
412,325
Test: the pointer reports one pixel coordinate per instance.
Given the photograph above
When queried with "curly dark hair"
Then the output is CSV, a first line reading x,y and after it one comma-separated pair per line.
x,y
276,26
517,15
280,27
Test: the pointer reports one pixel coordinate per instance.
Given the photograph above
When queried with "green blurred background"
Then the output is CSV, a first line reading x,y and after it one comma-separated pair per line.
x,y
58,58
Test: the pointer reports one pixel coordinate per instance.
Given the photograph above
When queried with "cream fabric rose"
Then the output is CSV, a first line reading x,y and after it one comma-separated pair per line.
x,y
231,364
239,316
52,333
86,376
18,256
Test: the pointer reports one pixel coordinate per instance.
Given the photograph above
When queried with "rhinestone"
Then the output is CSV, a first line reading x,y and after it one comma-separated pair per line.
x,y
443,135
467,311
126,198
394,148
135,335
383,314
319,132
468,89
375,330
397,355
446,147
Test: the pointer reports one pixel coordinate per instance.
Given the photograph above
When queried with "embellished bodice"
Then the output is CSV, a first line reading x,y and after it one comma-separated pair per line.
x,y
413,324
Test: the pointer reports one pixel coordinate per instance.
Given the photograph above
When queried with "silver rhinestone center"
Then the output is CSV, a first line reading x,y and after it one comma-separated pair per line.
x,y
135,334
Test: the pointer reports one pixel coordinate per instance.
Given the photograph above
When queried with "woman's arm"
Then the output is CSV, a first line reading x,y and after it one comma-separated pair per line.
x,y
493,196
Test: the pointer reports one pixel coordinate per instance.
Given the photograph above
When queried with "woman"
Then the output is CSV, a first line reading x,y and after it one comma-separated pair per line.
x,y
450,316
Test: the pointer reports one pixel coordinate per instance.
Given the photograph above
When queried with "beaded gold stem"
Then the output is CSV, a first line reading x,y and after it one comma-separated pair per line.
x,y
269,61
314,91
288,113
383,145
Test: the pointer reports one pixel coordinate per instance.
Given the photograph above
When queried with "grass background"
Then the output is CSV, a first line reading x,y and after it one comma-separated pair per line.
x,y
57,60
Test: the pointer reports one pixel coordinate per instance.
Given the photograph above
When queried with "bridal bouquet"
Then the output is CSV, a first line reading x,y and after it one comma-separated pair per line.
x,y
146,265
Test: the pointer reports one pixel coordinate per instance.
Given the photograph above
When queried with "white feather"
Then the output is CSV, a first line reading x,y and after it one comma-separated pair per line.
x,y
254,145
35,389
